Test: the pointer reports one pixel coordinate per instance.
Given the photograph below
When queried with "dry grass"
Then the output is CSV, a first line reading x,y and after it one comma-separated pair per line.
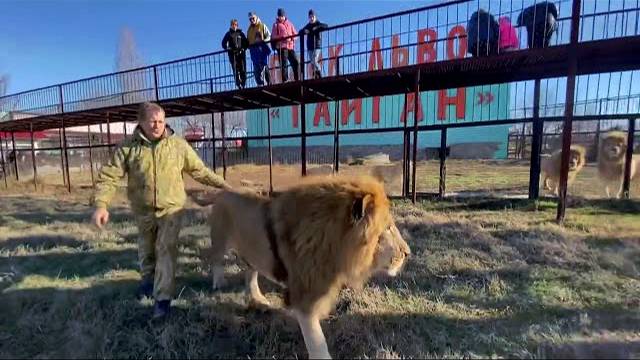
x,y
487,278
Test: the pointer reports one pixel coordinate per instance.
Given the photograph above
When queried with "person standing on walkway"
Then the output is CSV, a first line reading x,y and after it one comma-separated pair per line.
x,y
154,160
236,44
283,41
313,31
258,36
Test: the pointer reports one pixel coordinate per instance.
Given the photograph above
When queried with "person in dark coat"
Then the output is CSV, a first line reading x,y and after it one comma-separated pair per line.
x,y
313,32
236,44
483,34
541,21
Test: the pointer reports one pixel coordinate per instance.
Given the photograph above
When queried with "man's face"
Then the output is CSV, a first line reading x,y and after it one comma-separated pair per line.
x,y
312,19
281,18
234,26
153,126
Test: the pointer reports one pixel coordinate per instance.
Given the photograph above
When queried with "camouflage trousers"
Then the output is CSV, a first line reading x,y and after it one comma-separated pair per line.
x,y
158,251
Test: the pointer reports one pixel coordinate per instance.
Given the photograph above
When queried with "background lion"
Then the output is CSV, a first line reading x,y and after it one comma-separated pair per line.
x,y
611,159
550,167
313,238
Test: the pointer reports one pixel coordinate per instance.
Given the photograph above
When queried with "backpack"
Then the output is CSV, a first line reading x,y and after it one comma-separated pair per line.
x,y
482,34
541,22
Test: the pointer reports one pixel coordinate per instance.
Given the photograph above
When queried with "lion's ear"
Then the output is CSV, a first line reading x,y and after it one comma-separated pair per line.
x,y
360,205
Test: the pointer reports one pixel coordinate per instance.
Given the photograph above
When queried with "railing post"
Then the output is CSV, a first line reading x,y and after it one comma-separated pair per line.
x,y
405,153
536,144
64,173
628,159
33,158
155,82
15,155
109,134
443,166
568,111
414,166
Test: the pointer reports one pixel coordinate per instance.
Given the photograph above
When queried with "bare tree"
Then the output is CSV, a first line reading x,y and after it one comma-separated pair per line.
x,y
133,84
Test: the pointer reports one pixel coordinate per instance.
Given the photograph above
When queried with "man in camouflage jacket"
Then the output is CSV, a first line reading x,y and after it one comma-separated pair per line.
x,y
154,160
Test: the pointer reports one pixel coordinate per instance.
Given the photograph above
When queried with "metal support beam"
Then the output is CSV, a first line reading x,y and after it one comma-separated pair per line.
x,y
414,166
66,155
303,111
33,159
224,146
270,152
536,144
15,155
442,189
628,159
4,167
568,111
336,137
93,180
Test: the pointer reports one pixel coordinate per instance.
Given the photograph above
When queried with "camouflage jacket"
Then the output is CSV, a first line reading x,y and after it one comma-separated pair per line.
x,y
155,173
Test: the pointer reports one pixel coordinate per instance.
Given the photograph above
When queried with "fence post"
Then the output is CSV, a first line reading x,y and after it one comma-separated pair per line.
x,y
15,155
109,134
224,146
405,153
33,159
93,180
536,144
4,168
336,137
303,114
442,189
568,111
64,173
213,141
66,155
270,152
414,166
628,159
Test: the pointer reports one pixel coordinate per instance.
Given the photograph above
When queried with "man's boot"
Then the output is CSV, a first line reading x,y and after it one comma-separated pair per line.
x,y
145,288
161,309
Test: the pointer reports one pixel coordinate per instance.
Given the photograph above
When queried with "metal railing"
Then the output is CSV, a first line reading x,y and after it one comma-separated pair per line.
x,y
427,34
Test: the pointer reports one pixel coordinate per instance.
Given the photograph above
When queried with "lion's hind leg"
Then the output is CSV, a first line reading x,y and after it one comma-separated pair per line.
x,y
254,297
220,243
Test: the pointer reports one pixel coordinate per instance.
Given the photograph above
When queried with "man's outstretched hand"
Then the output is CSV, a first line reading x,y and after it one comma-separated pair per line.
x,y
100,217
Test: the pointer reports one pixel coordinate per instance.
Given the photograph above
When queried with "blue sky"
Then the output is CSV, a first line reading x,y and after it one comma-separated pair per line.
x,y
51,41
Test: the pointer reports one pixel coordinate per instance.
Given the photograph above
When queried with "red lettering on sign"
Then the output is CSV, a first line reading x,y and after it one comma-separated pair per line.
x,y
458,33
459,100
426,46
322,110
334,52
399,54
375,116
294,115
350,106
375,57
410,108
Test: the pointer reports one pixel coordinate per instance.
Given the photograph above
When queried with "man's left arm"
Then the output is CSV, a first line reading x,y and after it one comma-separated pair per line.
x,y
194,166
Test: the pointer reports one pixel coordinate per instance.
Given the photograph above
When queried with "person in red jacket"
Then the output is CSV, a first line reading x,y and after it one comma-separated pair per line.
x,y
283,42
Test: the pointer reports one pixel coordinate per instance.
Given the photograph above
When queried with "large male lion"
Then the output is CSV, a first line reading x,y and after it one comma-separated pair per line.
x,y
611,159
550,167
313,238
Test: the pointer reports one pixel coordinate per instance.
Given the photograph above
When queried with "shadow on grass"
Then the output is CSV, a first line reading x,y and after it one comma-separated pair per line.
x,y
41,242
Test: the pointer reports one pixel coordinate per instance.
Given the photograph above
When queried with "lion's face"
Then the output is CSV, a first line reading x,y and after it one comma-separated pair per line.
x,y
575,160
391,252
613,148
